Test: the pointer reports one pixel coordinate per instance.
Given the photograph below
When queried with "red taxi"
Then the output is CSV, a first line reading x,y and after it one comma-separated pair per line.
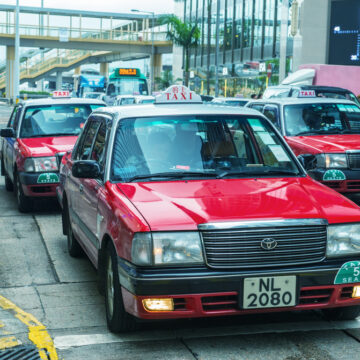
x,y
189,210
38,134
324,132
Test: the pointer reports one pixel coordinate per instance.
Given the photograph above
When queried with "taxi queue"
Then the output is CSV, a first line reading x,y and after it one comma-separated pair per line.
x,y
188,210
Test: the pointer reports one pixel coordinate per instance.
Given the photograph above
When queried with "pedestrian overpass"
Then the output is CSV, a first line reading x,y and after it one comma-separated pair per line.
x,y
72,38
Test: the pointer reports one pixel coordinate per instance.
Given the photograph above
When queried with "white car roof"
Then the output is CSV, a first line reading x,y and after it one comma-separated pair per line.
x,y
294,101
62,101
147,110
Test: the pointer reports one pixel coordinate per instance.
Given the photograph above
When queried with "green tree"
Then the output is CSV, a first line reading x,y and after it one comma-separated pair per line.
x,y
184,34
165,80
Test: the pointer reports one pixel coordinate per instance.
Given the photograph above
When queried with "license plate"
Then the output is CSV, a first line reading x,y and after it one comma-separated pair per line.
x,y
269,292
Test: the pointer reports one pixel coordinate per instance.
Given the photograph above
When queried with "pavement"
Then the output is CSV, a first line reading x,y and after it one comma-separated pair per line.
x,y
50,301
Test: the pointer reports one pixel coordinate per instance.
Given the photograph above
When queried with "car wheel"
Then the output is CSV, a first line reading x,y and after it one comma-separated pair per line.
x,y
9,186
118,320
342,313
24,203
73,246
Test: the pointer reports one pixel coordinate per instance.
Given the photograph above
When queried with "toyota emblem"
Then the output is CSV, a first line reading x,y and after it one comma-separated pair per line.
x,y
268,244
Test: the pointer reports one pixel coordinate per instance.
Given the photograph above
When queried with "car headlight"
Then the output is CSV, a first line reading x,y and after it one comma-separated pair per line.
x,y
343,240
41,164
331,161
167,248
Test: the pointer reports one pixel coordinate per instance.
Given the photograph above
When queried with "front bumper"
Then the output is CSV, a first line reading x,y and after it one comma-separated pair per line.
x,y
32,188
350,185
201,292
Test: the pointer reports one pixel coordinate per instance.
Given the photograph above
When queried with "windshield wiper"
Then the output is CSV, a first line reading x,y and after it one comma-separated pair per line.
x,y
264,171
51,135
173,175
307,133
349,131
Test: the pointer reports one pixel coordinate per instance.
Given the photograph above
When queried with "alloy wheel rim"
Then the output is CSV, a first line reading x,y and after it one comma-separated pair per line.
x,y
110,287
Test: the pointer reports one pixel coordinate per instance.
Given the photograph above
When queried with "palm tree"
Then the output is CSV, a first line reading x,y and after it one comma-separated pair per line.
x,y
184,34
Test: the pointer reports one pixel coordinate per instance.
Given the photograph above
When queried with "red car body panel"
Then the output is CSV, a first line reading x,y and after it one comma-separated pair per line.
x,y
323,143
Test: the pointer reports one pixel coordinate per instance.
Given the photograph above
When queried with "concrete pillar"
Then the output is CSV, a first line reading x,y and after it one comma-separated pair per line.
x,y
10,60
77,73
58,80
156,63
104,69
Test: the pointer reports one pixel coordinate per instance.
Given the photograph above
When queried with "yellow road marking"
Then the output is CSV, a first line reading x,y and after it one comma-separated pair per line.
x,y
9,342
37,331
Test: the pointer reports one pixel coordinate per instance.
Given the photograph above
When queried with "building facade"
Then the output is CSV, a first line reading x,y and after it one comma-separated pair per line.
x,y
248,33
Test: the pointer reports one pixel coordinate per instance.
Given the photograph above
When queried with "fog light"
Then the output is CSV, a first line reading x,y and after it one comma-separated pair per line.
x,y
356,292
158,304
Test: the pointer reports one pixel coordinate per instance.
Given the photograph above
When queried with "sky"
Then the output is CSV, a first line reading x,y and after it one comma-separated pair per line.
x,y
118,6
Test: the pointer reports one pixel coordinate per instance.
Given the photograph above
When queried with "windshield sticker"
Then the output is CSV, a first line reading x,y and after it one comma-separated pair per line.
x,y
266,138
279,153
341,107
256,125
331,175
348,273
48,178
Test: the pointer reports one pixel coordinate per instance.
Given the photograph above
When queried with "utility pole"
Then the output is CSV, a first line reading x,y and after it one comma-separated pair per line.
x,y
16,62
283,39
217,49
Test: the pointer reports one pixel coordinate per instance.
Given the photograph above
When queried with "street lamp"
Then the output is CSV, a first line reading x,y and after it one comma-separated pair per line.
x,y
16,60
152,45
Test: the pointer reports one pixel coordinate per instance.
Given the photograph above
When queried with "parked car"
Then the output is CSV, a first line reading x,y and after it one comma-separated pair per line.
x,y
188,210
95,95
233,101
38,134
144,99
296,91
124,100
324,132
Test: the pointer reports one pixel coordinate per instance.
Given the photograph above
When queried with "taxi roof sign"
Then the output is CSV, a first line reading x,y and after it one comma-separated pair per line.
x,y
61,94
307,94
176,94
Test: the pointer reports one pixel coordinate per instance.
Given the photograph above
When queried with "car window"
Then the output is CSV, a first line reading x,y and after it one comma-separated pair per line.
x,y
14,118
86,140
206,144
271,112
258,107
98,150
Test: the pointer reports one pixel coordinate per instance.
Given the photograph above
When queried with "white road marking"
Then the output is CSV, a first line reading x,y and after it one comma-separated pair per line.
x,y
68,341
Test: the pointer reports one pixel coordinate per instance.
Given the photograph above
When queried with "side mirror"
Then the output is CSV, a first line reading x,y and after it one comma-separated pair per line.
x,y
86,169
308,161
7,133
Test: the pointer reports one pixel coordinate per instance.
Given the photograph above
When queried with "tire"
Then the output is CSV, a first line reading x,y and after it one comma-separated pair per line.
x,y
25,204
118,320
9,186
73,245
342,313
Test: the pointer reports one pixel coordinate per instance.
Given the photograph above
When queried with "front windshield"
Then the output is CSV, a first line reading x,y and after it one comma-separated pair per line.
x,y
50,120
198,147
320,119
92,95
127,86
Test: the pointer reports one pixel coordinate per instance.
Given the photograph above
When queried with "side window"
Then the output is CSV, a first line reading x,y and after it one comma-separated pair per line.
x,y
17,118
258,107
86,141
271,113
12,123
98,150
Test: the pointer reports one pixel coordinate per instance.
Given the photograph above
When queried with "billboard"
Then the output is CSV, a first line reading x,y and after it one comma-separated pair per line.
x,y
344,33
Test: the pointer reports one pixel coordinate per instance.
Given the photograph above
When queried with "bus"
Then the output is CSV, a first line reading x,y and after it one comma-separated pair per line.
x,y
126,81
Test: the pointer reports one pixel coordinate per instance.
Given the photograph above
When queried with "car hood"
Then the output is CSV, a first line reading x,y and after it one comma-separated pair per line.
x,y
183,205
327,143
48,146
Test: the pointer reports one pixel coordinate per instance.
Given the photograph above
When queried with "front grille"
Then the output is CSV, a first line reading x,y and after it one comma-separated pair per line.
x,y
332,184
241,247
346,292
219,302
353,185
354,160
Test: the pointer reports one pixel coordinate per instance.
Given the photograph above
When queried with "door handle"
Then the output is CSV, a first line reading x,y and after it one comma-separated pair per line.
x,y
81,188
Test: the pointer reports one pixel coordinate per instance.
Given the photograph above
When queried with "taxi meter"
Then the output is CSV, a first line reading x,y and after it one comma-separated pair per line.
x,y
177,94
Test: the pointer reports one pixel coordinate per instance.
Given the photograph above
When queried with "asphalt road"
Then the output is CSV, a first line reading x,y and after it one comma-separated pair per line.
x,y
47,297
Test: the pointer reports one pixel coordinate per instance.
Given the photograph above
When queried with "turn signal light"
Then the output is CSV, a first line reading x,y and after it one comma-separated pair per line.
x,y
356,292
158,304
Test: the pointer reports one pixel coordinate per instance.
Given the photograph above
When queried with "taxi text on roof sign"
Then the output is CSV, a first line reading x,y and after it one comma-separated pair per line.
x,y
307,93
177,94
61,93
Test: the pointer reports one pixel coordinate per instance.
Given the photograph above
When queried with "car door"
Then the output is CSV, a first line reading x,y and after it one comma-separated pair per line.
x,y
75,186
10,144
91,187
